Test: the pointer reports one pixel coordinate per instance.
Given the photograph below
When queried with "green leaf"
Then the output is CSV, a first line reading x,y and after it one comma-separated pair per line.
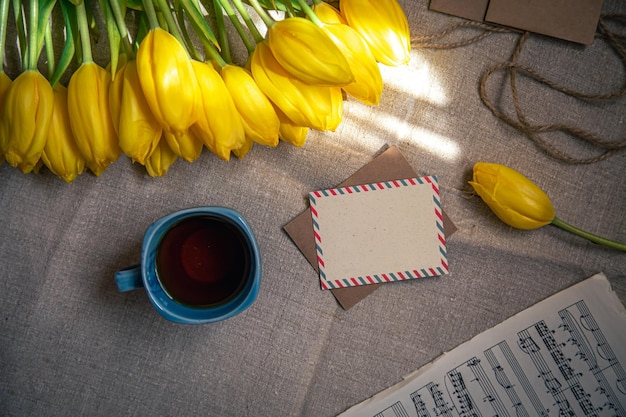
x,y
68,49
45,9
198,21
134,4
21,30
281,5
113,35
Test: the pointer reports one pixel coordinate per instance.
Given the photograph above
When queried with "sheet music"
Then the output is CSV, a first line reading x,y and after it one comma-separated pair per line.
x,y
563,357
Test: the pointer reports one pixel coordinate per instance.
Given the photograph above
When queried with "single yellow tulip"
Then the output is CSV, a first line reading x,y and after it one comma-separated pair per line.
x,y
515,199
383,25
307,53
138,130
90,116
520,203
61,154
167,80
160,161
306,105
259,118
25,120
219,124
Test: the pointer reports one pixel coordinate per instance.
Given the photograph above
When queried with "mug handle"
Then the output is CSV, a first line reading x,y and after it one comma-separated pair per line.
x,y
129,278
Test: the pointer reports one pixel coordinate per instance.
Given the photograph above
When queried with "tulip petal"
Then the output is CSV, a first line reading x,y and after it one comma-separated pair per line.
x,y
219,114
259,118
306,52
305,105
383,25
160,161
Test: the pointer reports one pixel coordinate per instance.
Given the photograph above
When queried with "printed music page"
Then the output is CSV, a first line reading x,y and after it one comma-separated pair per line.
x,y
565,356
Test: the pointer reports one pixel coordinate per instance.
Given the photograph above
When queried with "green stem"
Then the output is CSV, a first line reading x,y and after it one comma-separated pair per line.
x,y
267,19
49,49
246,18
20,23
225,5
83,31
212,53
589,236
309,12
121,27
32,34
4,13
148,8
221,31
181,15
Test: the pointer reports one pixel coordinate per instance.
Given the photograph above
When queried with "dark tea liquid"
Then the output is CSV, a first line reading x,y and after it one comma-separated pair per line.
x,y
202,261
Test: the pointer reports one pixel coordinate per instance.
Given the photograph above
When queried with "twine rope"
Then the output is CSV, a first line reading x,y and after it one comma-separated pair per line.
x,y
519,121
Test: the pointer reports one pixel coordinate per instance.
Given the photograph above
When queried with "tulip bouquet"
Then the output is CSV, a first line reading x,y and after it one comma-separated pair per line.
x,y
520,203
171,87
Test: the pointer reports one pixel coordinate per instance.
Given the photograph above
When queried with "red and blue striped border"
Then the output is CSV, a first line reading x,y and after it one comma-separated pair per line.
x,y
432,271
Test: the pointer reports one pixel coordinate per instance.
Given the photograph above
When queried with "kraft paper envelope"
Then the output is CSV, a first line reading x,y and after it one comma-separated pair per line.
x,y
571,20
388,165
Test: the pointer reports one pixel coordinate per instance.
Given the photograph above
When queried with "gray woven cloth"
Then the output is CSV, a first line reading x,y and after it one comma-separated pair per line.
x,y
71,344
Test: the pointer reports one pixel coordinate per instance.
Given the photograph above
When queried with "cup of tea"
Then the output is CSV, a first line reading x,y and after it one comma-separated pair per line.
x,y
198,265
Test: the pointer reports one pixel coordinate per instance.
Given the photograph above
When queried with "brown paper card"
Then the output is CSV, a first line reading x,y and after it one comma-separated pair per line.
x,y
468,9
572,20
389,165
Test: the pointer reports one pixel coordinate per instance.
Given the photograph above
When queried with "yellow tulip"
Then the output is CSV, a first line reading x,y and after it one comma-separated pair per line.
x,y
160,161
25,120
259,118
383,25
219,124
306,105
167,80
515,199
90,116
188,146
520,203
307,53
61,154
138,130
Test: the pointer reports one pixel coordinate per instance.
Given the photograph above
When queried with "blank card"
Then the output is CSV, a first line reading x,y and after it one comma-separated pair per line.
x,y
379,232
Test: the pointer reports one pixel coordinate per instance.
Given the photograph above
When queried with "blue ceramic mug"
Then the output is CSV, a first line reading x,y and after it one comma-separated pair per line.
x,y
198,265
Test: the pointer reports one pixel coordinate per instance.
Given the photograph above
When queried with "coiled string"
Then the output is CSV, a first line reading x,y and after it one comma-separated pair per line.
x,y
536,131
